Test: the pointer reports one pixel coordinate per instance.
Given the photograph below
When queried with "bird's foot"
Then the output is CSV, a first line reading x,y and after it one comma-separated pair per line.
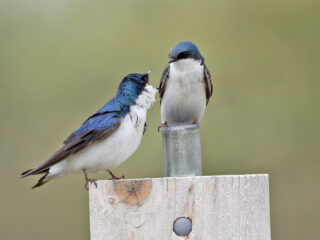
x,y
165,124
88,180
114,177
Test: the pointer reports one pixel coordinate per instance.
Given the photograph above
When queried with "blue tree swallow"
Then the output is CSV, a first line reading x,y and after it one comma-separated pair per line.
x,y
107,138
185,86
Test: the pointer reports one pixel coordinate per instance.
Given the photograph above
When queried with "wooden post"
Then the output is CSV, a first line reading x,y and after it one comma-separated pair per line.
x,y
197,208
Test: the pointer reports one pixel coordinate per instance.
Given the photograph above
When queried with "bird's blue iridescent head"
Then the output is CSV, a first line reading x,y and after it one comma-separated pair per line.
x,y
131,87
185,50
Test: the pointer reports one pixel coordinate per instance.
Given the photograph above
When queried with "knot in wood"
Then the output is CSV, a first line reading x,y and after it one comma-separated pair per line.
x,y
133,193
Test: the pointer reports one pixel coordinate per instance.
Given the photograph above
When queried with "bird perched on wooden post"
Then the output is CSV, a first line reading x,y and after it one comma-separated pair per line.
x,y
107,138
185,87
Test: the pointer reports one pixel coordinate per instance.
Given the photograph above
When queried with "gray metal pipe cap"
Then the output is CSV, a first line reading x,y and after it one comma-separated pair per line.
x,y
181,149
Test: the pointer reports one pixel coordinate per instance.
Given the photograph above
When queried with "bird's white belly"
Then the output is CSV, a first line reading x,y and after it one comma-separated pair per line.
x,y
184,99
109,153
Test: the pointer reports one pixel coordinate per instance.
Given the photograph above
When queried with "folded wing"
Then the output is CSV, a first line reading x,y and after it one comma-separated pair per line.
x,y
163,82
97,127
208,83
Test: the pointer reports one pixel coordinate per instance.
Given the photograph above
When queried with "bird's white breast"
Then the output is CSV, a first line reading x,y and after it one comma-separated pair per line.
x,y
114,150
184,99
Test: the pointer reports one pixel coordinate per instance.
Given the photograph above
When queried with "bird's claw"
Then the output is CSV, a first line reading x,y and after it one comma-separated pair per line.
x,y
163,125
114,177
90,181
195,122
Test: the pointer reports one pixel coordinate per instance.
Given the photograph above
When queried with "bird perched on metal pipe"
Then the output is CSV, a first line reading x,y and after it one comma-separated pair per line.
x,y
185,87
107,138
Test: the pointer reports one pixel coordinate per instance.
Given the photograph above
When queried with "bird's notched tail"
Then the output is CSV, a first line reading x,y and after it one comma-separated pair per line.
x,y
41,181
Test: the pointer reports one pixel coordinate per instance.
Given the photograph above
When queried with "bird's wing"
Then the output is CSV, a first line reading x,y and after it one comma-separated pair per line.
x,y
208,83
163,82
97,127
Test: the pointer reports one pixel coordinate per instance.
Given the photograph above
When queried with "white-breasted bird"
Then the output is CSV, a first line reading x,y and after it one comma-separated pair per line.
x,y
185,87
107,138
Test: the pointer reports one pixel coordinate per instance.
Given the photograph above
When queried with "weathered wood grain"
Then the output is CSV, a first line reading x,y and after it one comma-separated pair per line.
x,y
220,207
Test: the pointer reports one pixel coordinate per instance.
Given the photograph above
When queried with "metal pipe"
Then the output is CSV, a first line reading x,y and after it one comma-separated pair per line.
x,y
181,149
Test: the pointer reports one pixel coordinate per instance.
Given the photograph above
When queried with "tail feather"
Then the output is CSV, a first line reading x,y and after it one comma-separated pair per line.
x,y
24,174
31,172
42,180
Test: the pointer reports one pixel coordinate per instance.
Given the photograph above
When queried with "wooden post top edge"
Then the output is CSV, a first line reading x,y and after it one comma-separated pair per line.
x,y
188,177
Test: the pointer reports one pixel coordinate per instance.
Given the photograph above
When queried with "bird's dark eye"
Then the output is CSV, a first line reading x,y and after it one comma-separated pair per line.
x,y
145,78
183,55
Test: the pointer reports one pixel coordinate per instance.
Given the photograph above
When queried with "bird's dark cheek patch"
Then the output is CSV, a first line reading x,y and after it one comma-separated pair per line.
x,y
133,193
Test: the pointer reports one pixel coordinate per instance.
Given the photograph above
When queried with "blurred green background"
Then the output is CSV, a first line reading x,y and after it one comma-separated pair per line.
x,y
61,60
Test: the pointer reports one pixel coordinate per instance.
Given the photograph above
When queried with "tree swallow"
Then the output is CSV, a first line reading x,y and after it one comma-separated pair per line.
x,y
107,138
185,86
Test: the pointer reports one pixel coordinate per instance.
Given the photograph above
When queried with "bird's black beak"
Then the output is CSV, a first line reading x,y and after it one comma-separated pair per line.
x,y
172,59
